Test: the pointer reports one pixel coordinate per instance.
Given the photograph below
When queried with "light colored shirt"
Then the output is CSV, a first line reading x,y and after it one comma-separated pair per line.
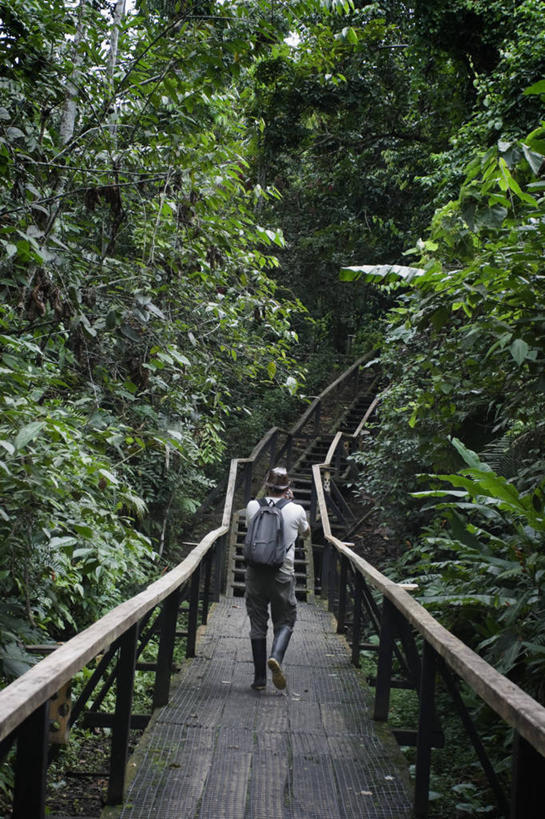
x,y
295,523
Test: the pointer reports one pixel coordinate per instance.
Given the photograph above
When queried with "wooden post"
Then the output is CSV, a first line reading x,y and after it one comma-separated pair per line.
x,y
325,571
471,730
528,769
289,445
332,580
193,613
122,717
169,616
341,616
220,559
206,587
60,707
424,740
385,652
313,503
31,765
356,625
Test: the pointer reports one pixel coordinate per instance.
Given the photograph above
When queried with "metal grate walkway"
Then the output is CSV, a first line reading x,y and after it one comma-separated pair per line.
x,y
222,751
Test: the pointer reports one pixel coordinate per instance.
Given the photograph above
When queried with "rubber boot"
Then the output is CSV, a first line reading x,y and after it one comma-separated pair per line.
x,y
279,646
259,651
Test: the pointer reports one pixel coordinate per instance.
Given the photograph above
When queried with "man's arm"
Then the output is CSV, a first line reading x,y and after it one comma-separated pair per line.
x,y
303,523
251,509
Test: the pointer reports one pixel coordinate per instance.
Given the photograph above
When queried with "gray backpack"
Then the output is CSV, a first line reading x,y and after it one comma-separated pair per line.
x,y
264,541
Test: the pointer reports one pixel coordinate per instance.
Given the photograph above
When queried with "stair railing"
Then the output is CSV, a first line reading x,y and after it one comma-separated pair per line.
x,y
398,621
277,445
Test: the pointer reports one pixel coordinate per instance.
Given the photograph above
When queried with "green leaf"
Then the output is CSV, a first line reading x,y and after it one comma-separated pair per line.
x,y
84,530
519,349
534,159
108,476
66,540
536,88
350,35
471,458
271,369
8,447
387,272
83,552
28,433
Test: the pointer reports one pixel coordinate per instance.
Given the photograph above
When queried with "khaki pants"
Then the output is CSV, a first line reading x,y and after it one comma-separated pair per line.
x,y
263,588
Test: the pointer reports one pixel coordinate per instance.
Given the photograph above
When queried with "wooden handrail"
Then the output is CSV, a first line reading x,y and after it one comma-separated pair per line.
x,y
33,688
513,705
42,681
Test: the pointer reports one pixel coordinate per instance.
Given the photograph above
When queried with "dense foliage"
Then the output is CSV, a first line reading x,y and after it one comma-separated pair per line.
x,y
463,354
136,291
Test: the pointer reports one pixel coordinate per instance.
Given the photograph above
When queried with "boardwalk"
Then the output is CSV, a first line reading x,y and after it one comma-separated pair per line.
x,y
222,751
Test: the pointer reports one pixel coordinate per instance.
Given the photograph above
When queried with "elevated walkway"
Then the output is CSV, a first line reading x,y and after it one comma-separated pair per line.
x,y
221,750
215,748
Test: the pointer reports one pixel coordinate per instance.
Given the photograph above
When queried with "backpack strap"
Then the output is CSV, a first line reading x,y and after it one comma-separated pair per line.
x,y
282,502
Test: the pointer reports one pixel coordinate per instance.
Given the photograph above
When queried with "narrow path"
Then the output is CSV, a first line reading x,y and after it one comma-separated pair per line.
x,y
222,751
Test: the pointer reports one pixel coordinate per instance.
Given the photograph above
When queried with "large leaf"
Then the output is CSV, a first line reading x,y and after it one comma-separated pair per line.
x,y
28,433
387,272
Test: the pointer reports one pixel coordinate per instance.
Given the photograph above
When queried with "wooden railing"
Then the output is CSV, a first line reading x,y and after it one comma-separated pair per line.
x,y
278,445
117,640
351,586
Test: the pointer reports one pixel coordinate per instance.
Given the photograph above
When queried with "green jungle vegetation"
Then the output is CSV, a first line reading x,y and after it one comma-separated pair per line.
x,y
200,203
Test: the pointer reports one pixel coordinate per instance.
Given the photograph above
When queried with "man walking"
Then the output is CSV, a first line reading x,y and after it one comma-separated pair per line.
x,y
266,587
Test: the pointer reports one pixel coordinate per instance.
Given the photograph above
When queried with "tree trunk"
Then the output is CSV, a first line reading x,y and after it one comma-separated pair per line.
x,y
68,119
119,13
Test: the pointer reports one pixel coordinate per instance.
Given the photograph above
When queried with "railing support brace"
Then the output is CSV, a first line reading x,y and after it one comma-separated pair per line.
x,y
122,717
31,765
425,731
325,571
